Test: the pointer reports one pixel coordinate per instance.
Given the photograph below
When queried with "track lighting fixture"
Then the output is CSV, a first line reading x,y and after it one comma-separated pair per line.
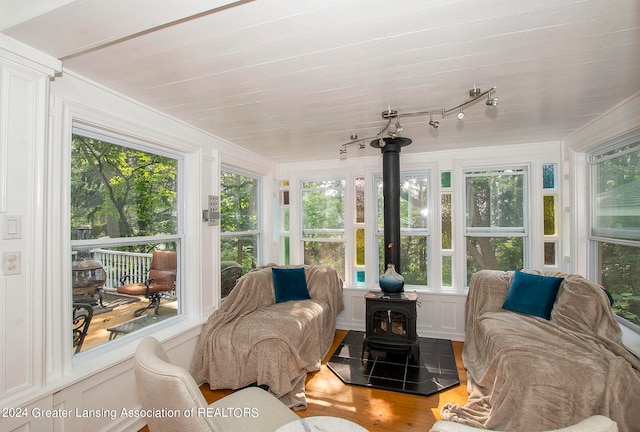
x,y
432,123
492,101
393,131
399,127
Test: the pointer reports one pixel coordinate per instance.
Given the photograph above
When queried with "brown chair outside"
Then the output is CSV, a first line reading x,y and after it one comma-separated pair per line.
x,y
161,279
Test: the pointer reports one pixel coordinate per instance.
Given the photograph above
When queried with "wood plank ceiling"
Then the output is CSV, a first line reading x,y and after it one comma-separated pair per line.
x,y
293,80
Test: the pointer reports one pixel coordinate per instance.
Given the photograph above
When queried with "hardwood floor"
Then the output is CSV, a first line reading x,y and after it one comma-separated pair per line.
x,y
375,410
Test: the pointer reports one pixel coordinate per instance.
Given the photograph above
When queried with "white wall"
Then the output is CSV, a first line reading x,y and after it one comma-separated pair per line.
x,y
23,120
38,104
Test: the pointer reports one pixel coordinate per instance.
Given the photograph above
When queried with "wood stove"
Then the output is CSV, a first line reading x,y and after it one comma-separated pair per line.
x,y
391,323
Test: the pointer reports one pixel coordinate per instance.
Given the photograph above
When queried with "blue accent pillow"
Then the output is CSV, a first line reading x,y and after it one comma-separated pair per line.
x,y
289,284
532,294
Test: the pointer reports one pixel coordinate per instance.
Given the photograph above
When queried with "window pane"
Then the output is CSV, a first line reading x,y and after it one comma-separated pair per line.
x,y
495,199
323,205
413,259
328,253
447,271
445,179
549,215
494,253
238,202
414,208
550,253
616,196
285,220
243,249
120,192
549,176
360,200
447,231
360,247
619,273
286,250
97,272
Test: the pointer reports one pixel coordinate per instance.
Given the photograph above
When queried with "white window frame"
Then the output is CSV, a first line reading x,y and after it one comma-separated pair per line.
x,y
419,232
113,137
259,232
595,237
346,235
523,231
62,365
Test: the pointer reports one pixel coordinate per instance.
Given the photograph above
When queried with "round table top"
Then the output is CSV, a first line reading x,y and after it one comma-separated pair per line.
x,y
321,424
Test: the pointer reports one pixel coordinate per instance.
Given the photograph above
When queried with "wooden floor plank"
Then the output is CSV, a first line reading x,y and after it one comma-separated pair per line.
x,y
376,410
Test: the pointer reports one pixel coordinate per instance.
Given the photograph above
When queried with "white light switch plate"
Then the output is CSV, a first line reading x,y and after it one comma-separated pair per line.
x,y
11,227
11,263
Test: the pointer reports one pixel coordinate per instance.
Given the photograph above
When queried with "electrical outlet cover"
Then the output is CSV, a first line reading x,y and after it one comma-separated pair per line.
x,y
11,263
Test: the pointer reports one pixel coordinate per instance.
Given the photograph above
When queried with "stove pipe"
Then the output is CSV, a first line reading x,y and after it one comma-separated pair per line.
x,y
390,148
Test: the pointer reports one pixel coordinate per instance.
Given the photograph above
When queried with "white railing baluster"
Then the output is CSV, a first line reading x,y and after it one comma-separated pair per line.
x,y
118,264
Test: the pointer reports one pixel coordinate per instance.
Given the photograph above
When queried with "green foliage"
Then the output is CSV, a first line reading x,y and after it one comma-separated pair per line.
x,y
616,180
495,199
620,275
121,192
239,214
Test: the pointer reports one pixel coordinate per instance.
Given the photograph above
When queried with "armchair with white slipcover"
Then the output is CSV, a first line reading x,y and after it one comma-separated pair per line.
x,y
163,385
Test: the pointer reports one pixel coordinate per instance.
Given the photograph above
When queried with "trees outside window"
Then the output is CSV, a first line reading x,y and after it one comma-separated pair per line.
x,y
124,203
239,218
414,227
495,227
615,225
323,223
119,191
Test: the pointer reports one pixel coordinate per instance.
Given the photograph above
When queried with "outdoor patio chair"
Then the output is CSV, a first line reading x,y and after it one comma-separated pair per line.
x,y
230,272
161,279
82,315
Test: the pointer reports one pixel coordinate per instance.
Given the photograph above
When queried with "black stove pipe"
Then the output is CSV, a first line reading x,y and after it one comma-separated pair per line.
x,y
390,148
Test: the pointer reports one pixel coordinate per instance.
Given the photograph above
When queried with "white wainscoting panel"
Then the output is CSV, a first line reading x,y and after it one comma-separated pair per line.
x,y
440,315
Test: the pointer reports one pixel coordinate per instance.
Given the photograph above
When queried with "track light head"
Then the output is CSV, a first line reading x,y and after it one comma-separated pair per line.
x,y
399,127
460,114
434,124
492,101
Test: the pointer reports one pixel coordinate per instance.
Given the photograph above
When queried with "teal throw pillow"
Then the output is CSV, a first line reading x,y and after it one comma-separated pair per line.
x,y
289,284
532,294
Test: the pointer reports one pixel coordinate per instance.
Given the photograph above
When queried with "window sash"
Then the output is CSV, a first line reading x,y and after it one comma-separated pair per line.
x,y
496,230
615,209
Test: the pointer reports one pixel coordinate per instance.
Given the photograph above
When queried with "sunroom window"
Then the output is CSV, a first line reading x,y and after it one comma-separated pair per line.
x,y
323,223
240,219
124,208
414,227
615,225
496,223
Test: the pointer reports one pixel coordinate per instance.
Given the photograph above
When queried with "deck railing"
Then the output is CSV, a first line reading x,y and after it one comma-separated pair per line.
x,y
117,264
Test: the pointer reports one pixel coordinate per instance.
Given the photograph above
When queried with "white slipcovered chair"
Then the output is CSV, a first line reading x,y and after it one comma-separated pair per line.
x,y
595,423
165,387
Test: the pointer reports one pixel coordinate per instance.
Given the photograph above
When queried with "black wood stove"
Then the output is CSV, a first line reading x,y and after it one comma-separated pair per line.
x,y
391,323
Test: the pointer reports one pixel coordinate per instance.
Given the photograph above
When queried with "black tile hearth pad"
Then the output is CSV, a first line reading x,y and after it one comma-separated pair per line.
x,y
434,372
